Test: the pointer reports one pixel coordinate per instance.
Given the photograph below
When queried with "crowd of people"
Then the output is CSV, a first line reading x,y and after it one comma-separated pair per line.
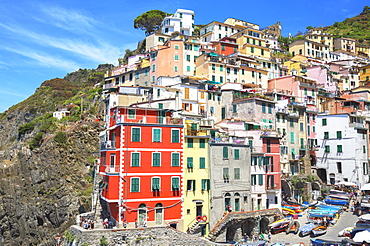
x,y
256,237
87,224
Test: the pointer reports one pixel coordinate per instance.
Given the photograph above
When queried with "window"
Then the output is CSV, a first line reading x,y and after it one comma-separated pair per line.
x,y
268,146
253,74
190,143
175,138
175,183
225,174
324,122
263,107
327,148
156,135
153,67
235,71
234,108
236,154
202,143
237,173
135,159
221,68
135,184
339,167
112,160
156,159
223,47
365,167
301,127
206,184
253,179
339,134
176,47
260,179
291,122
190,185
188,57
213,67
189,162
156,184
252,48
339,148
225,152
187,68
202,163
131,113
228,70
269,108
175,68
364,149
135,137
175,159
292,137
313,129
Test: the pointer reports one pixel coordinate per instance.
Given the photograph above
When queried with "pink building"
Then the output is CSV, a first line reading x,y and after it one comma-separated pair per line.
x,y
323,77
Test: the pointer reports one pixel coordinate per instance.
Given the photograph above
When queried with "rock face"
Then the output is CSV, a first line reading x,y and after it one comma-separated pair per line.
x,y
44,189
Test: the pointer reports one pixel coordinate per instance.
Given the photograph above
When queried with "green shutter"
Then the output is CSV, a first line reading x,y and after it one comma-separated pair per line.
x,y
175,136
225,152
339,134
135,161
202,162
204,184
326,135
236,154
292,137
225,173
156,184
190,143
156,135
156,159
175,159
327,148
135,184
324,122
175,183
236,173
339,149
190,162
202,143
135,134
260,179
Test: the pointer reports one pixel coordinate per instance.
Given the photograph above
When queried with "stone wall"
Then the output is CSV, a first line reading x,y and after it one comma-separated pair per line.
x,y
143,236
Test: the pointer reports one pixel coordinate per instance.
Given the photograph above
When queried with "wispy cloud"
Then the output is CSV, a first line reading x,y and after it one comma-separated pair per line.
x,y
43,59
11,92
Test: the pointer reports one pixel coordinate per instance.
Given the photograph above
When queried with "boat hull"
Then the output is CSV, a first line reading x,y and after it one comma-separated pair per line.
x,y
320,230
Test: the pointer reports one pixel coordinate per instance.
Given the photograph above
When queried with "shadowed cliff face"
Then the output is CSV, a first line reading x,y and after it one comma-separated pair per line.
x,y
42,190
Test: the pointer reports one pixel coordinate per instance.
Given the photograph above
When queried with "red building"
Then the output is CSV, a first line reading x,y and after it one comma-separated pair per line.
x,y
271,148
141,165
225,46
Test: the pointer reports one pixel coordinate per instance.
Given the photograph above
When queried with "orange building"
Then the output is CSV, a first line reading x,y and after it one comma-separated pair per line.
x,y
225,46
141,165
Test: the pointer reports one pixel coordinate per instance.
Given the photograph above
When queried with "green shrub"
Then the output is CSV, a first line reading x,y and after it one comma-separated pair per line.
x,y
26,128
103,241
61,137
36,141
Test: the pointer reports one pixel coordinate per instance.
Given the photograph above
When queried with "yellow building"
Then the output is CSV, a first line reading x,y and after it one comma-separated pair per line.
x,y
365,74
310,48
196,178
251,42
297,63
318,36
362,50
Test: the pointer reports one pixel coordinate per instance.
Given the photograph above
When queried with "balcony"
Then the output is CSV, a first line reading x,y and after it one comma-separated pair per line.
x,y
149,120
112,169
195,132
357,125
108,145
272,187
185,27
107,86
229,140
295,114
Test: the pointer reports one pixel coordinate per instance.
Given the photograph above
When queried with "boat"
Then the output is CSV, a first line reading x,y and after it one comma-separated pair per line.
x,y
288,211
333,201
279,228
324,242
279,222
293,227
319,230
306,229
255,243
364,218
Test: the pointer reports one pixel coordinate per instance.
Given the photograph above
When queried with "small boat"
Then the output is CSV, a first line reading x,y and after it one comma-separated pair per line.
x,y
346,232
279,228
279,222
364,218
306,229
335,201
299,244
319,230
255,243
323,242
293,227
288,211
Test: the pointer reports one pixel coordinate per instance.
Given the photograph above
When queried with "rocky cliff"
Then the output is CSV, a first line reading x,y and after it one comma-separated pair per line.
x,y
46,164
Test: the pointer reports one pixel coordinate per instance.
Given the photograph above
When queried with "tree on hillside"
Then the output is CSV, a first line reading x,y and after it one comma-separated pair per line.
x,y
149,21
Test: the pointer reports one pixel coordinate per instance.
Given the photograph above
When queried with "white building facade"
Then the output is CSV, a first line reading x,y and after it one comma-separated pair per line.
x,y
182,21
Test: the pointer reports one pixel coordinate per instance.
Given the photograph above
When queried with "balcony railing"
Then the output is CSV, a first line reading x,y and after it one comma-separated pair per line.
x,y
272,187
112,169
108,144
226,140
149,120
195,132
358,125
107,86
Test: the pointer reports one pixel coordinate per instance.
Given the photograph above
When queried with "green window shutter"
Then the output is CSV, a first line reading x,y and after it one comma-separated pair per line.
x,y
190,162
302,143
265,160
225,152
188,57
175,183
175,136
327,148
263,107
260,179
135,134
292,137
221,68
156,135
208,184
202,143
308,130
339,134
176,57
213,66
326,135
324,122
225,173
190,143
131,113
204,184
156,159
202,162
234,108
250,142
339,149
156,184
175,159
237,173
135,184
236,154
135,161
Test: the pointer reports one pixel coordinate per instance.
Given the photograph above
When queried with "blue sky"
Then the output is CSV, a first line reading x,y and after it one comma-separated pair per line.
x,y
41,40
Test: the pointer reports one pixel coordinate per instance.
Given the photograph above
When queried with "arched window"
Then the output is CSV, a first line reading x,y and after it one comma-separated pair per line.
x,y
142,213
158,214
237,202
227,201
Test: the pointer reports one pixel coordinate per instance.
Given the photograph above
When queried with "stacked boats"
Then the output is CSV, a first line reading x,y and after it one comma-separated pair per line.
x,y
338,197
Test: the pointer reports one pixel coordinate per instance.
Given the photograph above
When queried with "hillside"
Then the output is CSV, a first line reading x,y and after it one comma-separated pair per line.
x,y
45,163
357,27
